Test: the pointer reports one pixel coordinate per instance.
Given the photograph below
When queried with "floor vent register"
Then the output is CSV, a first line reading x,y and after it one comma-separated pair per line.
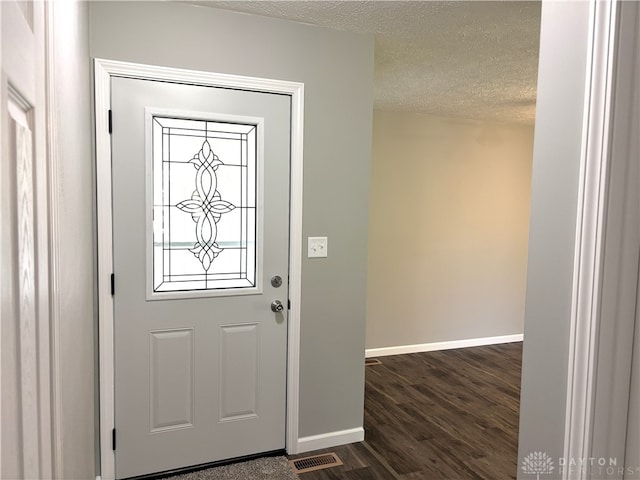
x,y
315,462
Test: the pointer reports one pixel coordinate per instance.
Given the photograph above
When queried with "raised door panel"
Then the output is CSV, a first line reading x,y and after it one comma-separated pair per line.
x,y
238,372
172,379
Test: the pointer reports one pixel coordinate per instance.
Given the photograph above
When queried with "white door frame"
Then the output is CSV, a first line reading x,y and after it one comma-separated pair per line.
x,y
104,70
604,283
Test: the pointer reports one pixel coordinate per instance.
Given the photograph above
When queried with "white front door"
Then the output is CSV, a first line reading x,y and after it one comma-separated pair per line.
x,y
200,189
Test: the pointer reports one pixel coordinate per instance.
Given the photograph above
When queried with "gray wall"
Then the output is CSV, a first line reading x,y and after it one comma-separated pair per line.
x,y
337,70
632,456
556,159
448,229
75,240
630,30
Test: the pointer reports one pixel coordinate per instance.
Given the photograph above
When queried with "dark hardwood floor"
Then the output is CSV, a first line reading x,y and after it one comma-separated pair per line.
x,y
448,415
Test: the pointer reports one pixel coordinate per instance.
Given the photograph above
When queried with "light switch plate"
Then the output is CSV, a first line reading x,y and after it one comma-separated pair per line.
x,y
317,247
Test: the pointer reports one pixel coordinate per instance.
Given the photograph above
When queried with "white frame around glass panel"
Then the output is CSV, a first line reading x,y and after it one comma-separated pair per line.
x,y
233,286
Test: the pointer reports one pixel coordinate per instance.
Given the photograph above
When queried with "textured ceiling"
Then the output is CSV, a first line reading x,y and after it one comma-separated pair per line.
x,y
464,59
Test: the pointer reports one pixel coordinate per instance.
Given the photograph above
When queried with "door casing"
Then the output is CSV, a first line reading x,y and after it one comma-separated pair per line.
x,y
104,70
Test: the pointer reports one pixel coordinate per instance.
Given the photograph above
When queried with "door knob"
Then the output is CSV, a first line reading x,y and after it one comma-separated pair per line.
x,y
276,306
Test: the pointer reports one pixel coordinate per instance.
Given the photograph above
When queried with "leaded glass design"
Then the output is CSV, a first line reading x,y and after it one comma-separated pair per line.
x,y
204,204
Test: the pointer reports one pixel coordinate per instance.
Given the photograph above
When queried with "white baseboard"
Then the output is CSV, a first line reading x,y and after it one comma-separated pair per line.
x,y
430,347
331,439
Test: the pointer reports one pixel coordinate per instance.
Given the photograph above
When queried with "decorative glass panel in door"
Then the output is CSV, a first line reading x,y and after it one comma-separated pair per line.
x,y
205,220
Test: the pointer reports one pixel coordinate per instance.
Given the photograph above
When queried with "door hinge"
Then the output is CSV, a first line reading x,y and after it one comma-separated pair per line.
x,y
110,122
288,304
113,439
113,284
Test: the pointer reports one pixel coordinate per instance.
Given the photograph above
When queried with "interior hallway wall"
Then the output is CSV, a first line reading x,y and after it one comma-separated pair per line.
x,y
448,230
557,371
75,282
632,457
564,38
337,70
